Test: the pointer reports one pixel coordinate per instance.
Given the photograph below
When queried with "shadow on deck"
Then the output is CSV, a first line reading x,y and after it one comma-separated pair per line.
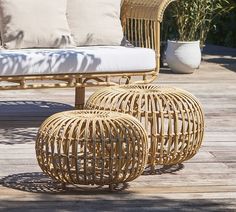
x,y
226,57
19,120
54,197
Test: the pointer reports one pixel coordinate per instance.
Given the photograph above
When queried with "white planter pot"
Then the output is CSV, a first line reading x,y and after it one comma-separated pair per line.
x,y
183,57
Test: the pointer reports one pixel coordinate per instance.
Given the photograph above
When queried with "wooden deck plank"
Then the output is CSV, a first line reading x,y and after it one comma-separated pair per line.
x,y
116,204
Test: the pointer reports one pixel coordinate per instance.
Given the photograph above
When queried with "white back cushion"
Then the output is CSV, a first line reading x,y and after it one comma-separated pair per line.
x,y
34,23
95,22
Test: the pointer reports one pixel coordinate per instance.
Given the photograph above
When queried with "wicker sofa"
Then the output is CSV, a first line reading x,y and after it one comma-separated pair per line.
x,y
141,24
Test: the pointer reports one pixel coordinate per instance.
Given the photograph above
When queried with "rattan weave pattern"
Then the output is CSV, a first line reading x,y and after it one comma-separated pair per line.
x,y
172,117
92,147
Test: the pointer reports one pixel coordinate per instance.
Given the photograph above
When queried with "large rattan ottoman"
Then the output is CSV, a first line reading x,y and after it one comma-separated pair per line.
x,y
92,148
172,117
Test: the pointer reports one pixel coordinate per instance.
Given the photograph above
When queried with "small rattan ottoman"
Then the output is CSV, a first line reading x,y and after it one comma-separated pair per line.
x,y
172,117
92,148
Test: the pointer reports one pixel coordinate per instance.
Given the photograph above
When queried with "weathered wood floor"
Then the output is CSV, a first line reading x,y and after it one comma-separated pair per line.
x,y
206,183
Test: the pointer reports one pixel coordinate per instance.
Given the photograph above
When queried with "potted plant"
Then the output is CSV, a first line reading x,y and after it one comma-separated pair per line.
x,y
193,20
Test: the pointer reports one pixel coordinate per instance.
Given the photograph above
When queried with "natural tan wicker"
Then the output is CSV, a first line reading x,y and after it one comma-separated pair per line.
x,y
172,117
141,23
92,147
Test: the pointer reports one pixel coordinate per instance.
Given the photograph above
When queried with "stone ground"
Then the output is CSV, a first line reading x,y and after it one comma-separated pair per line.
x,y
206,183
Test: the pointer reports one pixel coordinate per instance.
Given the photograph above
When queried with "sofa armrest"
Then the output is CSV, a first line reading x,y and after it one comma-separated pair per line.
x,y
144,9
141,23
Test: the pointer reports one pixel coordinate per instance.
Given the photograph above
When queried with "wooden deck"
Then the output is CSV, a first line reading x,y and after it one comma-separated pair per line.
x,y
206,183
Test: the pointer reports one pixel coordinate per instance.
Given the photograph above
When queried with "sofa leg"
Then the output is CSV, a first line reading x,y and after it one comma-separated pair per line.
x,y
79,98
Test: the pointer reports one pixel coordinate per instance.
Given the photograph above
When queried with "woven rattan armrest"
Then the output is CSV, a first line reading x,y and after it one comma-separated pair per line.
x,y
145,9
141,22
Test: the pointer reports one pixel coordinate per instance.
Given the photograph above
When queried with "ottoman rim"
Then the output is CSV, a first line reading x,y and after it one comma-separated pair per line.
x,y
146,89
93,114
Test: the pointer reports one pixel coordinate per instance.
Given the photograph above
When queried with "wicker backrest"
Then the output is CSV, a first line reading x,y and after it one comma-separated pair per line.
x,y
141,21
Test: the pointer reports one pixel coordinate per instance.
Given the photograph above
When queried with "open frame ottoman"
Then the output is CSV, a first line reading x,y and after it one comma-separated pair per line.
x,y
172,117
92,148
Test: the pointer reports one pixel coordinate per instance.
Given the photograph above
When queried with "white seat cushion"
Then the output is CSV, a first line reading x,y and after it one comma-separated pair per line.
x,y
78,60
